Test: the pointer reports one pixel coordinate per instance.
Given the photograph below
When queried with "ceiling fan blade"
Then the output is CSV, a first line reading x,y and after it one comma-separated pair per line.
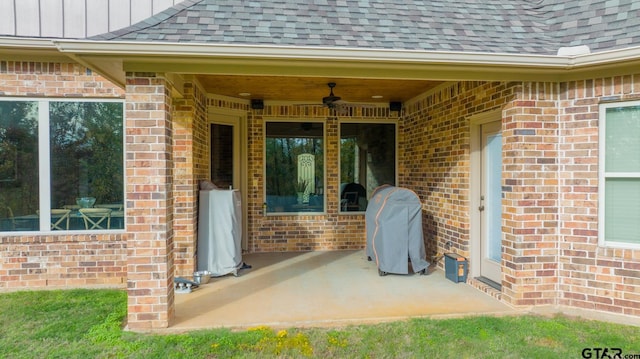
x,y
355,104
310,104
332,101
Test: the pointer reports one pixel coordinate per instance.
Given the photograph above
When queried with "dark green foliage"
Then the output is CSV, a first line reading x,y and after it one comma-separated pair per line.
x,y
86,152
19,156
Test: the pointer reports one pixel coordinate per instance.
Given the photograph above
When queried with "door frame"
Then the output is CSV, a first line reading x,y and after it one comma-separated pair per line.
x,y
238,119
475,186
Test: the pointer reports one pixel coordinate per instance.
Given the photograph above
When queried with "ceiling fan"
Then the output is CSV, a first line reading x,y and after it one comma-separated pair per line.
x,y
333,102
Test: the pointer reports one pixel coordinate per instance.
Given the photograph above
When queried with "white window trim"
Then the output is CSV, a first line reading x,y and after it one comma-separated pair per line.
x,y
44,164
602,176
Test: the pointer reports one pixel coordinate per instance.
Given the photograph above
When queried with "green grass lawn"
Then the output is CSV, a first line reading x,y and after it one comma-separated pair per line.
x,y
88,324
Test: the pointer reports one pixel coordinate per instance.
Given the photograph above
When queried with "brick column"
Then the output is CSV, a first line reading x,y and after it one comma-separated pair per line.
x,y
149,202
190,165
530,203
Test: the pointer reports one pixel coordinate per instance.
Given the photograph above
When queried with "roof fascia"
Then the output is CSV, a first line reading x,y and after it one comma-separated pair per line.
x,y
309,61
603,64
112,59
26,42
181,50
37,49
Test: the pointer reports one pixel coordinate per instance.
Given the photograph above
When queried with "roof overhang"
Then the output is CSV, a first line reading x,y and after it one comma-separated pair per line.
x,y
307,61
114,58
34,49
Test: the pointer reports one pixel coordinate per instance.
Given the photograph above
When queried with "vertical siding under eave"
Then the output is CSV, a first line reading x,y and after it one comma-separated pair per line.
x,y
140,10
74,18
27,17
8,18
51,22
119,14
98,24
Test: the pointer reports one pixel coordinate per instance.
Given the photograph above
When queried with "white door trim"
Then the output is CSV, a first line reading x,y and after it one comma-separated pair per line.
x,y
475,182
239,120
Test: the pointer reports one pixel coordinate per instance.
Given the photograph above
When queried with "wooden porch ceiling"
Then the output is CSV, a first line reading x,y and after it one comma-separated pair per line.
x,y
312,89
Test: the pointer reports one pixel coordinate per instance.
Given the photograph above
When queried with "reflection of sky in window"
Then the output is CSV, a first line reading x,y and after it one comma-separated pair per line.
x,y
67,125
18,118
622,145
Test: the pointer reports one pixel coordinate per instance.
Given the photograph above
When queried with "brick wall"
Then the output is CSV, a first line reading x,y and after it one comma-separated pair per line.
x,y
53,79
150,201
436,158
530,190
550,175
190,151
60,262
49,261
591,276
330,231
550,187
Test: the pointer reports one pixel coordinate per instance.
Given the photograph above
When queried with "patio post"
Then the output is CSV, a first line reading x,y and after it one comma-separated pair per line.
x,y
530,196
149,201
190,165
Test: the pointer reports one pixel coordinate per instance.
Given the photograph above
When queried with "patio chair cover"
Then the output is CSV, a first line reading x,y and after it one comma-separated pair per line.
x,y
394,230
220,232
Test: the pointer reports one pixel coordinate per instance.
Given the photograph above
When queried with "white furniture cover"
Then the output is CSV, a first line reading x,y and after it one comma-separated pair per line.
x,y
220,232
394,230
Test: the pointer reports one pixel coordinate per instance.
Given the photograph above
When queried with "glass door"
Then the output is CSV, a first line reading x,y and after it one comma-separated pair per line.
x,y
223,138
228,158
491,202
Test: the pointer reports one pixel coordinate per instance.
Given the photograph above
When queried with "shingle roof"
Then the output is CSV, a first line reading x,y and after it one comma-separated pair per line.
x,y
602,24
494,26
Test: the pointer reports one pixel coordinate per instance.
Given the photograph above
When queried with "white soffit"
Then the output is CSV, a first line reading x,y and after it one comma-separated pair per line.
x,y
114,58
447,66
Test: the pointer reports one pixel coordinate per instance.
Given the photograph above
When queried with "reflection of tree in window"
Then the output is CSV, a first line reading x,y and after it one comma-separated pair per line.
x,y
285,141
19,156
8,160
367,154
86,152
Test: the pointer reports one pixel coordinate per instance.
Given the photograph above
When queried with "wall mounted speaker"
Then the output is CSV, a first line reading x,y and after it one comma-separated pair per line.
x,y
257,104
395,106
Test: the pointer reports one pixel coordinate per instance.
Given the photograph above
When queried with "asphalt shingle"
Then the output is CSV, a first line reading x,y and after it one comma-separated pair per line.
x,y
493,26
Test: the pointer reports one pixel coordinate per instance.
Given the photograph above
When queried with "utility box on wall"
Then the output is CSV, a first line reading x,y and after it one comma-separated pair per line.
x,y
455,267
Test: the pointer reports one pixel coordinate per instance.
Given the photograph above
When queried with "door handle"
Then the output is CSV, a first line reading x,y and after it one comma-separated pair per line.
x,y
481,208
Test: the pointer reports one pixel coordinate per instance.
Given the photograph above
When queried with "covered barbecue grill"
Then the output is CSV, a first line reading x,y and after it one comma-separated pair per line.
x,y
394,231
220,232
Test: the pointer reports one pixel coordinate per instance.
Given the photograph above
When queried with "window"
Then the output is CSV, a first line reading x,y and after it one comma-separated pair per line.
x,y
19,171
367,161
619,185
58,158
294,167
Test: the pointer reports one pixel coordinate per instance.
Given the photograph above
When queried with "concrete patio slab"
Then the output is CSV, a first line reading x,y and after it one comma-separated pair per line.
x,y
313,289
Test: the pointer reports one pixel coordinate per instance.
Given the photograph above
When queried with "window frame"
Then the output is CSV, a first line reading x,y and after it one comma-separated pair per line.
x,y
603,175
324,165
44,163
385,121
